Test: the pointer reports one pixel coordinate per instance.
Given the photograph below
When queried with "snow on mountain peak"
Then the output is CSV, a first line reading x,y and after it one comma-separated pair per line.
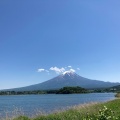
x,y
71,71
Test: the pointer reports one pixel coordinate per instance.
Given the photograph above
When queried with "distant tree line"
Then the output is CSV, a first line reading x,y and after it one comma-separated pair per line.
x,y
64,90
19,92
71,90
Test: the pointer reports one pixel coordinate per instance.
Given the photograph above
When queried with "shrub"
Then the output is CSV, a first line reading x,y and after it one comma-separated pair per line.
x,y
104,114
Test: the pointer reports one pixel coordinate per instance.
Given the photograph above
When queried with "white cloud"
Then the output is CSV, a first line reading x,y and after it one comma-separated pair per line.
x,y
78,68
58,70
41,70
69,71
72,70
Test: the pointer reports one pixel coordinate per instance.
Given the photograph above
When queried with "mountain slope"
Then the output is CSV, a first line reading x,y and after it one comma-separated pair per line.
x,y
67,79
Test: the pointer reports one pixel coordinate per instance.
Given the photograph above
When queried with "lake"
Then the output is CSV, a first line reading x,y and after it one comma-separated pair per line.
x,y
47,103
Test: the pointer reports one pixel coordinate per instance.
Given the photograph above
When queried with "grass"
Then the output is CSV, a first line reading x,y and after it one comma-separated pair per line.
x,y
93,111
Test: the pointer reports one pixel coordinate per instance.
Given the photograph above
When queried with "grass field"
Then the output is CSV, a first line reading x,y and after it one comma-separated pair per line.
x,y
93,111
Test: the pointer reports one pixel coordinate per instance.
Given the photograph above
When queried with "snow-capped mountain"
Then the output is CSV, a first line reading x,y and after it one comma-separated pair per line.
x,y
68,78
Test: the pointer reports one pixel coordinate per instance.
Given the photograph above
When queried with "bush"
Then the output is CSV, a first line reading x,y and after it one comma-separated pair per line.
x,y
104,114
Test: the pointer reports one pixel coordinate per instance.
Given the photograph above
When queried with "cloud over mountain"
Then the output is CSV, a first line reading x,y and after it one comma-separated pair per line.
x,y
58,70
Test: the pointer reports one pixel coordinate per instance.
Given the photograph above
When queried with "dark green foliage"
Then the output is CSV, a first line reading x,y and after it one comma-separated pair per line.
x,y
71,90
51,91
22,118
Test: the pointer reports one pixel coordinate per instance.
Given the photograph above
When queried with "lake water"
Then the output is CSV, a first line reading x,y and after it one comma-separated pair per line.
x,y
32,104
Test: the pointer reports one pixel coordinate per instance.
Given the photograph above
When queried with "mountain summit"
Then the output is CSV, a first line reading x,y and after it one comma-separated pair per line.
x,y
70,72
68,78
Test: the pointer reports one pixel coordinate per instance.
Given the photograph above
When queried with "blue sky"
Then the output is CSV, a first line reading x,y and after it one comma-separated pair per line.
x,y
41,36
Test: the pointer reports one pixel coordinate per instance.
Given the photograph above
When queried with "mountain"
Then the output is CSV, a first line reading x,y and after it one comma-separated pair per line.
x,y
68,78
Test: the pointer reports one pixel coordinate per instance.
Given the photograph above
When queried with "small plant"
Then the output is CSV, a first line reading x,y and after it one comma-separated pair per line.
x,y
104,114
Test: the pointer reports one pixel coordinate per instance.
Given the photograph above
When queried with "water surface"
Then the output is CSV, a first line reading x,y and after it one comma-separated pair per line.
x,y
31,104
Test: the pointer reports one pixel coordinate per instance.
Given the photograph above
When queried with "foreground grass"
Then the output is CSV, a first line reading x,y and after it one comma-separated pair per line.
x,y
94,111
